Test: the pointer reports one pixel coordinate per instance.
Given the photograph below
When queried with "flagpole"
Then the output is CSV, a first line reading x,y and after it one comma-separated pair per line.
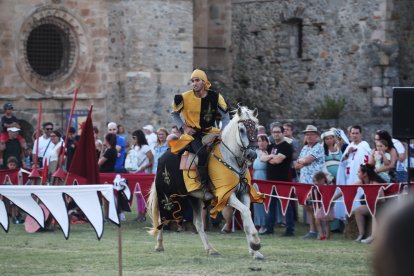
x,y
35,173
119,248
59,173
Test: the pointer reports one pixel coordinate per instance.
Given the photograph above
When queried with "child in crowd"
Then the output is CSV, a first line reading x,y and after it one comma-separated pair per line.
x,y
381,156
14,210
320,217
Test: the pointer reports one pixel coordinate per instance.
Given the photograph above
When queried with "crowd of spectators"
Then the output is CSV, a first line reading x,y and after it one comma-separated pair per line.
x,y
324,157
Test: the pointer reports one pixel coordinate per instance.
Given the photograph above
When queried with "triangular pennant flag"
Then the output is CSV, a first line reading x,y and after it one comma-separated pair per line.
x,y
4,220
349,192
9,176
140,200
265,187
392,189
327,192
108,194
371,192
84,162
302,191
23,199
284,191
55,203
7,180
88,202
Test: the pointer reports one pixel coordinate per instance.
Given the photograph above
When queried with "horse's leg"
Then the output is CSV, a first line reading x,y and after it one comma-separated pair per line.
x,y
159,246
198,223
253,240
155,217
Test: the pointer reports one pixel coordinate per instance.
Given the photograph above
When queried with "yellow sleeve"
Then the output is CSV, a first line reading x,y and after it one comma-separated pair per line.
x,y
222,103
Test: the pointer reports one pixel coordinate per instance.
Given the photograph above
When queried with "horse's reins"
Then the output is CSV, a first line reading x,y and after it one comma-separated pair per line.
x,y
250,126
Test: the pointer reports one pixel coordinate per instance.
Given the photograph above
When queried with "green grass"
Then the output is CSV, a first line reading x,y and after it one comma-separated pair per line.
x,y
49,253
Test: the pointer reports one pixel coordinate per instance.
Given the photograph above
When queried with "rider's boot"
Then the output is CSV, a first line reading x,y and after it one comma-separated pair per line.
x,y
203,175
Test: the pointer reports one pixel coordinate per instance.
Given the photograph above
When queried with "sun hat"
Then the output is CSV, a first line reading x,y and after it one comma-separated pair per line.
x,y
13,129
327,133
311,128
149,127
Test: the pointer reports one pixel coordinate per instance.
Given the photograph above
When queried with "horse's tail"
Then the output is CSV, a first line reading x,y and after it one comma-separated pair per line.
x,y
154,210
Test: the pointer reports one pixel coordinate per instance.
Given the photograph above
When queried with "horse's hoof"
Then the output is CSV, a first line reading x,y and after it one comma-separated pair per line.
x,y
213,252
255,246
159,249
258,256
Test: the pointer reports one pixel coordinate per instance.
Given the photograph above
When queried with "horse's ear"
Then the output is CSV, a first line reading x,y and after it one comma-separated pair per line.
x,y
239,111
255,112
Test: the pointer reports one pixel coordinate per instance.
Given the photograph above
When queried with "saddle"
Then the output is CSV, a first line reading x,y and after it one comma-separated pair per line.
x,y
189,160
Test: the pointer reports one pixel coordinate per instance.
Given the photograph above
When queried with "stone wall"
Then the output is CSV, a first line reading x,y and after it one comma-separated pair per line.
x,y
212,41
288,56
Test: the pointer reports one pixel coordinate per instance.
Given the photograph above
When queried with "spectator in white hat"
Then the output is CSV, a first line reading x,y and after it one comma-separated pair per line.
x,y
150,136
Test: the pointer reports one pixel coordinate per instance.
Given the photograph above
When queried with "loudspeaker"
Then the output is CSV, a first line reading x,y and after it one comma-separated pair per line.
x,y
402,112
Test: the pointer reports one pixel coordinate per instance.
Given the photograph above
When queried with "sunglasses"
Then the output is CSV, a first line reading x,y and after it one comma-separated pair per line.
x,y
49,128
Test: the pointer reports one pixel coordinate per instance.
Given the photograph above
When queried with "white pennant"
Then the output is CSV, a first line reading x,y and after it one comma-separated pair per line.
x,y
85,196
4,221
24,200
55,203
88,202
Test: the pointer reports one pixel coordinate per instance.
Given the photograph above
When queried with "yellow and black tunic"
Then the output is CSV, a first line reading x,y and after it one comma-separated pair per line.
x,y
199,113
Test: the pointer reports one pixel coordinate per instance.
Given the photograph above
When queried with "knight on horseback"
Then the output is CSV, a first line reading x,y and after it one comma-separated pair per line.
x,y
199,108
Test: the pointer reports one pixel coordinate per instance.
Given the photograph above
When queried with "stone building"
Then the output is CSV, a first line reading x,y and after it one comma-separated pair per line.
x,y
128,57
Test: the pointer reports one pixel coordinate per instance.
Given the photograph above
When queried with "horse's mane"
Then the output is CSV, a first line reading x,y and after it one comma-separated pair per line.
x,y
232,127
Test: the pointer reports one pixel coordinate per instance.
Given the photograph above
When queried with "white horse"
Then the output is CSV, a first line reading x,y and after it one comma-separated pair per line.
x,y
231,157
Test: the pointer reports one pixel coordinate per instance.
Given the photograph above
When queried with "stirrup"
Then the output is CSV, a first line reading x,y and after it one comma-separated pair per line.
x,y
208,196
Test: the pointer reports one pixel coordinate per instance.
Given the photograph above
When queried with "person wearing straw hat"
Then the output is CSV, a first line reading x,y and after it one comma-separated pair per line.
x,y
199,108
310,161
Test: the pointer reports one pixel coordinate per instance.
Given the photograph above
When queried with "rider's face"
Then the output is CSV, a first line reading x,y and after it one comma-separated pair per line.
x,y
198,84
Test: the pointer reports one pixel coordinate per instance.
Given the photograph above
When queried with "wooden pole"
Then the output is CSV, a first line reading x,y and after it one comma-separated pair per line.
x,y
59,173
120,249
35,173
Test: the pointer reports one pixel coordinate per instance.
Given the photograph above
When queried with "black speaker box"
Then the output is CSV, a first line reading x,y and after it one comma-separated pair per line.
x,y
403,112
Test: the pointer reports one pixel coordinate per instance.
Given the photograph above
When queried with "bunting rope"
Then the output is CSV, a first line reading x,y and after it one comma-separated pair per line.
x,y
322,195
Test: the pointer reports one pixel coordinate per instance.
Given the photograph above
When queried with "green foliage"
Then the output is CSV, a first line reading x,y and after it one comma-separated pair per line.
x,y
48,253
331,108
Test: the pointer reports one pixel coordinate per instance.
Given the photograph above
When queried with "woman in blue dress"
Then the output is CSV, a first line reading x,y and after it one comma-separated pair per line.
x,y
259,172
160,147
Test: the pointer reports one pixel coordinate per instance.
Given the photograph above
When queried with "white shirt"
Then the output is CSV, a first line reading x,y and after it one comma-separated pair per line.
x,y
152,140
143,159
399,147
52,153
43,143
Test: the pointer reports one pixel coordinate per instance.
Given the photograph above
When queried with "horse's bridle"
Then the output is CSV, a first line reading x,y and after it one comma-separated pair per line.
x,y
252,136
251,133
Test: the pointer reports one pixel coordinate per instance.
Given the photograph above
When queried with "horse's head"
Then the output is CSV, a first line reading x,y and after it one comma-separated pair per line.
x,y
243,127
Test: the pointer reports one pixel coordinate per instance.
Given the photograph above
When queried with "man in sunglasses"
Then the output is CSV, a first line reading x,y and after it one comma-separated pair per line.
x,y
44,143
